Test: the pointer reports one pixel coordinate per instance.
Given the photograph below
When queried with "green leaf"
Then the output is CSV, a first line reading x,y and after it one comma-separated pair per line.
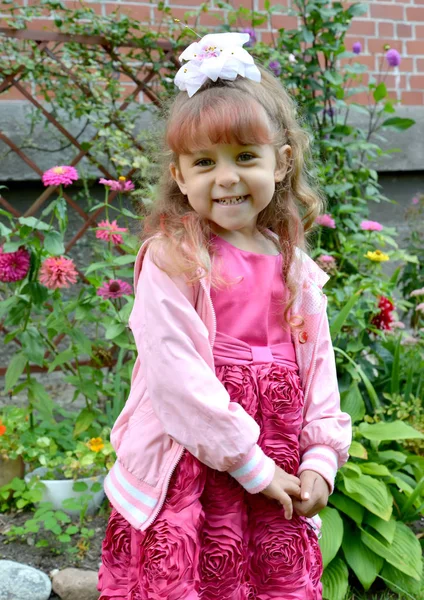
x,y
370,388
332,534
335,580
80,486
338,322
392,455
34,223
124,260
385,528
308,36
404,552
364,562
53,243
351,401
380,92
12,246
14,371
398,123
356,10
33,346
370,493
40,399
113,330
38,292
83,421
397,430
358,450
400,583
394,387
348,506
62,358
71,530
372,468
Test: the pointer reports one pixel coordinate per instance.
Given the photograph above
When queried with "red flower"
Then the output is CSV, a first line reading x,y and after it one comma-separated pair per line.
x,y
384,319
2,428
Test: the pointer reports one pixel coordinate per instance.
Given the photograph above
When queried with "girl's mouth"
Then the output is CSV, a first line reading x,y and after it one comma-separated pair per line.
x,y
231,201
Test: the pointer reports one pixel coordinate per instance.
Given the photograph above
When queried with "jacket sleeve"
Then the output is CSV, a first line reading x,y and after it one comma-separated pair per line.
x,y
187,397
326,434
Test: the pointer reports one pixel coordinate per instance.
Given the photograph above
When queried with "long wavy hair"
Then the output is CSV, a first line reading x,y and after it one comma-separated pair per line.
x,y
242,112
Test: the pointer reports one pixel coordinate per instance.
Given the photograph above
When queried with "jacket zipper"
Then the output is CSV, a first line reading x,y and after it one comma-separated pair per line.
x,y
181,453
157,510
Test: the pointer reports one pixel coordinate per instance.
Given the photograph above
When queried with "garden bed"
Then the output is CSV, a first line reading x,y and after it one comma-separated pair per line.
x,y
46,559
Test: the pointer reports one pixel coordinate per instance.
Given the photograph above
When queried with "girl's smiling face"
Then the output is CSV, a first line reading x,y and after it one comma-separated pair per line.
x,y
230,184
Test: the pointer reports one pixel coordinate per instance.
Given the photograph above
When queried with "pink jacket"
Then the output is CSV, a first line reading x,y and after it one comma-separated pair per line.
x,y
177,402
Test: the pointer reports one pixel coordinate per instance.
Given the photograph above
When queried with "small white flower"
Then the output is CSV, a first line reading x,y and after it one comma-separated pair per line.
x,y
292,59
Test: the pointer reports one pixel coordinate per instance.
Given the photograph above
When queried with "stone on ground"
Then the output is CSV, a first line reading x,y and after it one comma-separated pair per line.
x,y
75,584
21,582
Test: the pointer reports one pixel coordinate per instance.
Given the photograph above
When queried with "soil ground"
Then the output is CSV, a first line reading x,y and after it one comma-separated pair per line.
x,y
46,559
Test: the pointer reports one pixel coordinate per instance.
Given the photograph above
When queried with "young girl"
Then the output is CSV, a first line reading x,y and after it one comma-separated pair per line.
x,y
232,434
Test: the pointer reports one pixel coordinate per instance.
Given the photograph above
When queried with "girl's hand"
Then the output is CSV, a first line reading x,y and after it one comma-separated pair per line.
x,y
314,494
281,488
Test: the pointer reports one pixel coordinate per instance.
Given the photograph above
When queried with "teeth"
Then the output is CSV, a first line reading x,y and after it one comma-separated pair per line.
x,y
229,201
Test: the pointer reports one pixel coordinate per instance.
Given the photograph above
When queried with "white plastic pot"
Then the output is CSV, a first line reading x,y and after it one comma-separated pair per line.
x,y
58,490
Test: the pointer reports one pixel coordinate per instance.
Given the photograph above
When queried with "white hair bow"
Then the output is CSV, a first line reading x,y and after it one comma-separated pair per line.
x,y
215,55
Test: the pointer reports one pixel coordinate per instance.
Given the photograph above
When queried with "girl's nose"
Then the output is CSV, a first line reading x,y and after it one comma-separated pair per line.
x,y
226,176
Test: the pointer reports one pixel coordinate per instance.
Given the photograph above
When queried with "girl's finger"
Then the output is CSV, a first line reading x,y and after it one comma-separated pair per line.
x,y
294,479
286,502
293,489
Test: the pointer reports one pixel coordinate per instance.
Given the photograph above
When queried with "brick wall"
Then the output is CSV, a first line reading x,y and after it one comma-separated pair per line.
x,y
399,23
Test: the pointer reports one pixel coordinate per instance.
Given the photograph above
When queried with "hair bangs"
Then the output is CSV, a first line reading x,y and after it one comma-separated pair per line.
x,y
214,117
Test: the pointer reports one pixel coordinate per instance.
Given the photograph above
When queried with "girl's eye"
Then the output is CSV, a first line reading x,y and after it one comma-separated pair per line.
x,y
204,162
246,156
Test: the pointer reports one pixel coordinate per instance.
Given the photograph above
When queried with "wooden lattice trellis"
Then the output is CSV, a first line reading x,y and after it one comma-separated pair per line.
x,y
141,83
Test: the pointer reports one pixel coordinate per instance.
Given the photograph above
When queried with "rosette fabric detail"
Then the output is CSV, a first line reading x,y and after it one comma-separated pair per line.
x,y
219,55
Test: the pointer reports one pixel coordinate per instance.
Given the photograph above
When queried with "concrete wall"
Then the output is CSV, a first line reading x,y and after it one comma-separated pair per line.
x,y
13,123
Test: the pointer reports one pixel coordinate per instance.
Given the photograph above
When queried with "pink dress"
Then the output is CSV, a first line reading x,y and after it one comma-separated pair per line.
x,y
213,540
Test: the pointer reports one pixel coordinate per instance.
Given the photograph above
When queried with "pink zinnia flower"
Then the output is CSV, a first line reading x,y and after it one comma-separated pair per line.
x,y
110,232
122,185
326,221
327,263
420,307
62,175
58,272
326,258
371,226
115,288
14,266
415,200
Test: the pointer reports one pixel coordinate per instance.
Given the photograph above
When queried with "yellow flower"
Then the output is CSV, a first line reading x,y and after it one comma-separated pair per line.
x,y
377,256
96,444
